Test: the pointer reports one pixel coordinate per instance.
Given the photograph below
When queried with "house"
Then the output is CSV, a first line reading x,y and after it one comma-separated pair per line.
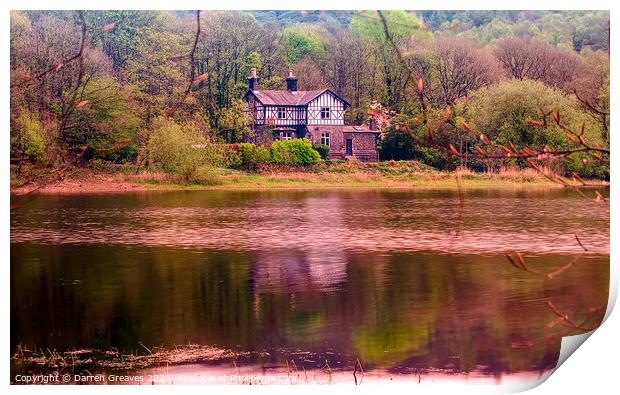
x,y
317,115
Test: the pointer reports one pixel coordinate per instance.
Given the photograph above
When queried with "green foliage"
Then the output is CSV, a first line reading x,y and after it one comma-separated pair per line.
x,y
129,29
176,149
252,155
232,124
569,29
322,149
27,137
397,145
107,119
158,80
502,112
222,155
127,153
206,175
586,166
294,152
401,24
300,41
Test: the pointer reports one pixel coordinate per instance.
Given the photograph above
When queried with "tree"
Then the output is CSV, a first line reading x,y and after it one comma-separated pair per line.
x,y
176,148
461,67
300,41
523,58
401,26
504,112
231,122
311,74
226,52
124,32
28,140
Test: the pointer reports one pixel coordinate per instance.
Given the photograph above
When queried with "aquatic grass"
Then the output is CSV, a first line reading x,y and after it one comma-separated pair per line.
x,y
115,360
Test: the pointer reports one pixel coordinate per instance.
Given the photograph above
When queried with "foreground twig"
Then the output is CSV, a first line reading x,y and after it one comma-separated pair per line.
x,y
519,263
192,72
358,363
572,325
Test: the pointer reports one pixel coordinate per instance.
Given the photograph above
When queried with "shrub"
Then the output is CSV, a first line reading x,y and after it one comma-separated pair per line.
x,y
125,154
177,150
206,175
587,167
294,152
27,137
251,155
222,155
502,112
322,149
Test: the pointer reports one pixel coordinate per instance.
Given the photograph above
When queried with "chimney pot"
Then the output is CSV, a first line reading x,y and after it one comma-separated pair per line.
x,y
291,82
253,80
372,123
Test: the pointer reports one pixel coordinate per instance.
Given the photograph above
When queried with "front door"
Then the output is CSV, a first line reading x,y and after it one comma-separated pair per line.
x,y
349,145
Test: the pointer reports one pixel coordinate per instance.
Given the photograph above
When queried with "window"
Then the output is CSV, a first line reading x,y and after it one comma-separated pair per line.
x,y
326,139
281,113
286,135
325,113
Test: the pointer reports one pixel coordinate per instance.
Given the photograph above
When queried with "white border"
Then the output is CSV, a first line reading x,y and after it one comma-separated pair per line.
x,y
593,368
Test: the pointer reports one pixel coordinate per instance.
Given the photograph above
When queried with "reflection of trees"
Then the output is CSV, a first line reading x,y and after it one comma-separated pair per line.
x,y
401,311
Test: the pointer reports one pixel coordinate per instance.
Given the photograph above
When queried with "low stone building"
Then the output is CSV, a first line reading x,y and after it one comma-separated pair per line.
x,y
317,115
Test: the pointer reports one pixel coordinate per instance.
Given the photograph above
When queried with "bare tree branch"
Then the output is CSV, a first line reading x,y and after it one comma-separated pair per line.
x,y
57,67
192,63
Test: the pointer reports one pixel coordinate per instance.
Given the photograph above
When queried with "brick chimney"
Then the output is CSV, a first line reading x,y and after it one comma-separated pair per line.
x,y
291,82
253,80
372,123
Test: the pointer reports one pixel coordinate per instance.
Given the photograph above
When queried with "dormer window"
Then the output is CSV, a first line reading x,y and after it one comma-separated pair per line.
x,y
325,113
281,113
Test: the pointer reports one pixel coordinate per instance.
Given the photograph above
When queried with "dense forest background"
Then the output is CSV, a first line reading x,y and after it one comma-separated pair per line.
x,y
494,71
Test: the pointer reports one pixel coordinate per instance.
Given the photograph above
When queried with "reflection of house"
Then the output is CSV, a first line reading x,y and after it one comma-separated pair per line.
x,y
317,115
312,262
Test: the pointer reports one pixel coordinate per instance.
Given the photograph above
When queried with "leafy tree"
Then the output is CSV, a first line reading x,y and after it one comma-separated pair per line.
x,y
108,122
231,122
28,140
300,41
503,111
401,26
176,149
158,78
121,32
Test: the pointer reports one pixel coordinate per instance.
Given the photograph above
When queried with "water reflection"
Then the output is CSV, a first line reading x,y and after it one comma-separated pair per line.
x,y
306,276
538,221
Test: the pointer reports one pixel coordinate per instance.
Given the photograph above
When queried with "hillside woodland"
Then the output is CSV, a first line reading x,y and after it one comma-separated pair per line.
x,y
142,88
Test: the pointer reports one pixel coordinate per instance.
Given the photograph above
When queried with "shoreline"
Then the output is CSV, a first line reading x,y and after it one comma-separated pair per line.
x,y
85,180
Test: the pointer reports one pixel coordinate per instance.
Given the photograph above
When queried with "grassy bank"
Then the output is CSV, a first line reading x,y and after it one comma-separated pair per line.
x,y
403,174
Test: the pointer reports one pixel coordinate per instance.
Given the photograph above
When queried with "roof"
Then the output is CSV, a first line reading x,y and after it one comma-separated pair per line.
x,y
358,129
288,98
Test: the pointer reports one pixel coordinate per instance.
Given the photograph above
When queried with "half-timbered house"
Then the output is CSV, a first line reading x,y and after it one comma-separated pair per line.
x,y
317,115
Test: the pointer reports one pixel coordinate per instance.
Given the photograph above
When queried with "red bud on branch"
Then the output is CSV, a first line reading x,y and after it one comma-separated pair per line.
x,y
201,77
107,27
